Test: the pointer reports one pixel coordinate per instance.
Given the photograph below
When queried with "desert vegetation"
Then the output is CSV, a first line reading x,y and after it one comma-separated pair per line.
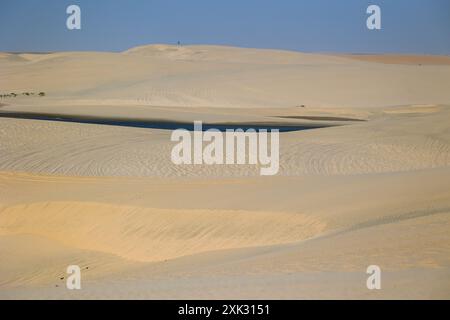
x,y
13,94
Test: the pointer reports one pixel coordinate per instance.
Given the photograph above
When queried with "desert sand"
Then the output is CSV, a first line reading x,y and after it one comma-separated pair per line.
x,y
372,186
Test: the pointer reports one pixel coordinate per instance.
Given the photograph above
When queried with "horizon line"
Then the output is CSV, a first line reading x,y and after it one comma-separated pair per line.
x,y
237,47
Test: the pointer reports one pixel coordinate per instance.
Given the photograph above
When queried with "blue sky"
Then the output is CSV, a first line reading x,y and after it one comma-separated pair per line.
x,y
408,26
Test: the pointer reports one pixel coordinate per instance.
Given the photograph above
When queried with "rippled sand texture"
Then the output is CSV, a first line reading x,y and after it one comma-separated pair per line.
x,y
375,190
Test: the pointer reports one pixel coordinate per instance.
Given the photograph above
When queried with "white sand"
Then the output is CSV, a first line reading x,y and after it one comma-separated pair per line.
x,y
208,76
109,199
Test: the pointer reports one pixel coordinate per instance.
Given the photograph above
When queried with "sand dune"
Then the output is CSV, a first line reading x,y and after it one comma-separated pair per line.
x,y
322,268
402,59
34,260
154,234
370,187
209,76
408,141
302,236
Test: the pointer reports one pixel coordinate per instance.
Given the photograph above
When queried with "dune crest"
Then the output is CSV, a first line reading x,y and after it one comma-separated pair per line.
x,y
216,76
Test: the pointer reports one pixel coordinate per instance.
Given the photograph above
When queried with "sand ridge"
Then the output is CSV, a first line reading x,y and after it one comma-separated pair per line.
x,y
212,76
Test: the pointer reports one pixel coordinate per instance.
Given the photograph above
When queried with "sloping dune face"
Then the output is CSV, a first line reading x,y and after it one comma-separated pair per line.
x,y
402,59
224,77
146,234
412,139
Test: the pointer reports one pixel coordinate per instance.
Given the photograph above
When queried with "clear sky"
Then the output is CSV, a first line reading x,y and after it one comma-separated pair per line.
x,y
408,26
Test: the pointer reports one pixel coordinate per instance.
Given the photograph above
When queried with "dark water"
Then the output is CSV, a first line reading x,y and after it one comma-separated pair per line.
x,y
157,124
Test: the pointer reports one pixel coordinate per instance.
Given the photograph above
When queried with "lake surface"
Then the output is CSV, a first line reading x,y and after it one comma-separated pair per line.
x,y
158,124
